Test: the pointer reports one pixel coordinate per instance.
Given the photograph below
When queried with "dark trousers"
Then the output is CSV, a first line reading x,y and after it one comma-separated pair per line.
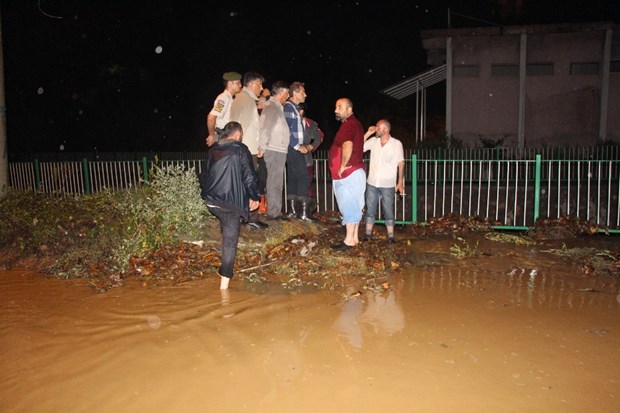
x,y
230,225
310,176
296,175
261,171
261,190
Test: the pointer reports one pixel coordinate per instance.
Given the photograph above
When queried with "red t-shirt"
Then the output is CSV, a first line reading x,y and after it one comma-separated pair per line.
x,y
350,130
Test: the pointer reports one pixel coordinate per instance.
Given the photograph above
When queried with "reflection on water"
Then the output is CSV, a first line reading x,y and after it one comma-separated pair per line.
x,y
524,286
379,311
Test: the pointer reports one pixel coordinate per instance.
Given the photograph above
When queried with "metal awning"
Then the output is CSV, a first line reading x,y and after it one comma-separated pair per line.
x,y
416,83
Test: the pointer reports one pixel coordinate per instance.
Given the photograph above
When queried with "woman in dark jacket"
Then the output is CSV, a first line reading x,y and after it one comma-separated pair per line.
x,y
229,186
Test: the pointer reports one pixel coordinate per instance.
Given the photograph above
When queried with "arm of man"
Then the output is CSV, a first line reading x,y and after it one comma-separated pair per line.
x,y
211,128
371,131
400,184
347,150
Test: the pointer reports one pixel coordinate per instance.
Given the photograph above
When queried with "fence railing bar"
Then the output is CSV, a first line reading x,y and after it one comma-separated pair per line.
x,y
589,187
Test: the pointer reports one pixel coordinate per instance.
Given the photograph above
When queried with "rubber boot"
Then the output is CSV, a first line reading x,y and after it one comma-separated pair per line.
x,y
262,207
292,209
306,212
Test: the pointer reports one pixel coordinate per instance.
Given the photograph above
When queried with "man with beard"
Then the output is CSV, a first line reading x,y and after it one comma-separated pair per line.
x,y
346,165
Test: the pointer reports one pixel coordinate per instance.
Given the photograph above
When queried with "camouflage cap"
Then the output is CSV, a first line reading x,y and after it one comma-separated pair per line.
x,y
231,76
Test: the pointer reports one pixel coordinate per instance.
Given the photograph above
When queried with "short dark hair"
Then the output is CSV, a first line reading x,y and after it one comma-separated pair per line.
x,y
229,129
249,77
296,87
277,86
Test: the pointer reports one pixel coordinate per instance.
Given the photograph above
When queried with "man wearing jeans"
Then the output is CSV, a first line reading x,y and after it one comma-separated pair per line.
x,y
387,164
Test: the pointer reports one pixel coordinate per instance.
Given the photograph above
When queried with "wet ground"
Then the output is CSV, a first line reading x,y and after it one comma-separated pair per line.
x,y
512,330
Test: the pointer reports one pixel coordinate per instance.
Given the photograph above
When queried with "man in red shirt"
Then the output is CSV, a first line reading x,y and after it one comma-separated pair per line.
x,y
346,165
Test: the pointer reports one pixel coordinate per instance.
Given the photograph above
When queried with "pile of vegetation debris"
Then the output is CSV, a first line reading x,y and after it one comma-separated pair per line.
x,y
162,233
293,254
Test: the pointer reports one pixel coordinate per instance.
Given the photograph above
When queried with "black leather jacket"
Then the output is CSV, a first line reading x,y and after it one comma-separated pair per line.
x,y
228,178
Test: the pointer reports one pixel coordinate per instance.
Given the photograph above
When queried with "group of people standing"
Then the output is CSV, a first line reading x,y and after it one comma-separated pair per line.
x,y
254,137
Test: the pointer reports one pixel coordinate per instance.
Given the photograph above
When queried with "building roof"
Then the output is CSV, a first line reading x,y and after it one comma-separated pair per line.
x,y
416,83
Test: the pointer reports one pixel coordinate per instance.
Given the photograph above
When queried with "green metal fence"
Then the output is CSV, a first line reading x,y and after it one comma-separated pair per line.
x,y
509,193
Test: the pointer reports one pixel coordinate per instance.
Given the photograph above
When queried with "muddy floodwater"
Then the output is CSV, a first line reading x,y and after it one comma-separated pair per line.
x,y
533,337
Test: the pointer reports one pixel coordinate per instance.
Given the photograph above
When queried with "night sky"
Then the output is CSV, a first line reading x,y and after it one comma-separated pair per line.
x,y
133,75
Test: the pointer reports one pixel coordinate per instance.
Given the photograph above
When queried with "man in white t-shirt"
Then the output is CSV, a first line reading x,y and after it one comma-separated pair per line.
x,y
220,114
385,176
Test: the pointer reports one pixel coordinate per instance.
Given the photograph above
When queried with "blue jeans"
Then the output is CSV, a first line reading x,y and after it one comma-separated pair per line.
x,y
386,195
230,224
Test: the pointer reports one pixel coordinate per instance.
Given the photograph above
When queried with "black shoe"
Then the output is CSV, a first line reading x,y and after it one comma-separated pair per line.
x,y
391,240
258,225
277,218
341,247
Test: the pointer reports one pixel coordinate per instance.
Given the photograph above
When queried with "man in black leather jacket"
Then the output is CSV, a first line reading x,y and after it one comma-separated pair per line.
x,y
229,186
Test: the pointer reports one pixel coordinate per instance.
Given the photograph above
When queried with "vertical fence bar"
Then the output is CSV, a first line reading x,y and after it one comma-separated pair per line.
x,y
598,194
559,195
37,176
526,186
589,176
145,169
568,189
499,180
86,176
537,188
414,188
489,172
608,219
618,203
578,187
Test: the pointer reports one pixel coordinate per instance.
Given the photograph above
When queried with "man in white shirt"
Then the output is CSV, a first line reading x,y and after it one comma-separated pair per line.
x,y
385,176
220,114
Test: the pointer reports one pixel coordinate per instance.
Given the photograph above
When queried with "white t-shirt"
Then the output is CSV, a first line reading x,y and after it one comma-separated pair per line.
x,y
221,109
384,161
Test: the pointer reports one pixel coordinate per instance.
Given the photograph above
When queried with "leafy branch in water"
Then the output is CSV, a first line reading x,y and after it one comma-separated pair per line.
x,y
464,250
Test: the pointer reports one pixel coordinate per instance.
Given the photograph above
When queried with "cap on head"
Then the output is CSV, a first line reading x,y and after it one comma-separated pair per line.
x,y
232,76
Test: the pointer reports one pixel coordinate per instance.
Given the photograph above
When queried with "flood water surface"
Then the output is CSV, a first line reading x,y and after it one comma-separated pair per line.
x,y
438,339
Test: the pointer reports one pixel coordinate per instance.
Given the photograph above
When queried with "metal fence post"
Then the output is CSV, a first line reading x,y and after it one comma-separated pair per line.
x,y
414,188
37,176
145,169
537,188
86,175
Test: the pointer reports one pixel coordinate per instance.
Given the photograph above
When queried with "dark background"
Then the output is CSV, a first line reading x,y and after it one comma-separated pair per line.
x,y
86,75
